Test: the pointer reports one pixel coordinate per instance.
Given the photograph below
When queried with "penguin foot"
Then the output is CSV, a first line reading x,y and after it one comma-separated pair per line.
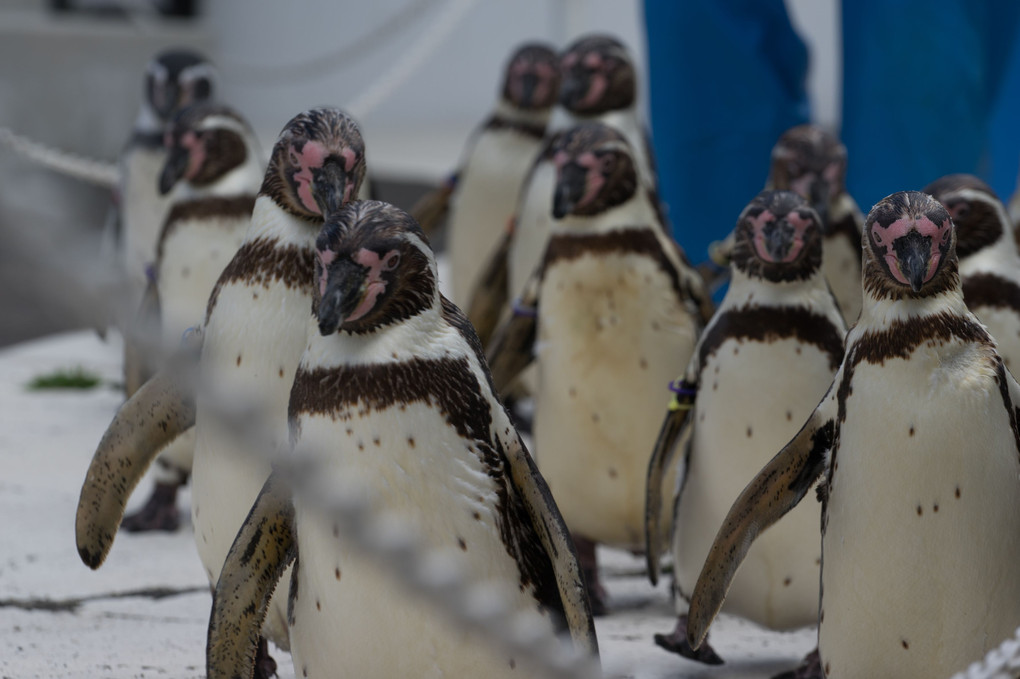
x,y
676,642
810,668
265,666
158,513
588,562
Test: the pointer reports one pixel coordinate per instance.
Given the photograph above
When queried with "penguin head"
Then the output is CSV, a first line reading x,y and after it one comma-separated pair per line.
x,y
177,78
532,78
778,237
317,164
909,247
811,162
597,76
373,267
595,170
204,142
978,214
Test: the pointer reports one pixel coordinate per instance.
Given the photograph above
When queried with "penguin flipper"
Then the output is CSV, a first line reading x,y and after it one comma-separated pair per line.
x,y
552,531
430,210
773,492
511,349
265,545
673,428
490,294
159,411
140,341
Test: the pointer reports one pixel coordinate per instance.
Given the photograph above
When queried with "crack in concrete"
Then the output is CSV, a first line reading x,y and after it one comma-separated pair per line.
x,y
73,604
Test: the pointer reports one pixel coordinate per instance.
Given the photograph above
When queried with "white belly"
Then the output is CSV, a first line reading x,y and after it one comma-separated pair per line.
x,y
1004,326
142,212
611,335
531,233
923,533
194,256
484,203
842,268
350,617
251,350
753,398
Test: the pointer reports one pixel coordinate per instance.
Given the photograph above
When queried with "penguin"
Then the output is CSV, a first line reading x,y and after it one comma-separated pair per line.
x,y
989,263
214,168
916,444
810,161
393,389
496,161
173,78
251,342
598,84
778,331
611,309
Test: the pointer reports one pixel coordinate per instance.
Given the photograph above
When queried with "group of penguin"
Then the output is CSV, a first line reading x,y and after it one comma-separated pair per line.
x,y
326,311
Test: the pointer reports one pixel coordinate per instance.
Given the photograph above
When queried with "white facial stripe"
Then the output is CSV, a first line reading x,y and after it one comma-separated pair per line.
x,y
158,71
222,123
197,71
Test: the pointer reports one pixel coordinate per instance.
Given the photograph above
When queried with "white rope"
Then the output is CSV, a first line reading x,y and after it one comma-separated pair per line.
x,y
104,174
1002,662
410,61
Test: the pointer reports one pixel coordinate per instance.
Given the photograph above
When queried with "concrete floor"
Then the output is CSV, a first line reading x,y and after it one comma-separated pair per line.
x,y
144,612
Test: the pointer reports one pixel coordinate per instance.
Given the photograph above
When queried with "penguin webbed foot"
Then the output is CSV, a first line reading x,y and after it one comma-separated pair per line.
x,y
810,668
676,642
265,666
158,513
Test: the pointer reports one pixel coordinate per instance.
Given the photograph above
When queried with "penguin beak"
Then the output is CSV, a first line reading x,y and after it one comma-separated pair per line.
x,y
574,87
913,253
344,291
529,81
173,169
330,187
570,185
165,99
778,239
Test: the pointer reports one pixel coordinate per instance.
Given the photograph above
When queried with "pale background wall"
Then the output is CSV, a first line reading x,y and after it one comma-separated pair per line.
x,y
75,82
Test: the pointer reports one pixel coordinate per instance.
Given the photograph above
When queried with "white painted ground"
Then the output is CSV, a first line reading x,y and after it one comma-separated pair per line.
x,y
46,442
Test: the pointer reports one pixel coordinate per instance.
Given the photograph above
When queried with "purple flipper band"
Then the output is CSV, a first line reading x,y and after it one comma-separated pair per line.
x,y
679,387
527,311
150,272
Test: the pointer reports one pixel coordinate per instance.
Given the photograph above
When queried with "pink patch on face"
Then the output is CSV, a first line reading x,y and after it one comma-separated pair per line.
x,y
758,224
592,60
598,87
374,285
196,154
326,257
886,236
561,158
311,156
569,60
833,173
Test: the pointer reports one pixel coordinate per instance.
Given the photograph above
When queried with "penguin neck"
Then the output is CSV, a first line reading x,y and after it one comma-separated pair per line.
x,y
506,112
880,313
635,212
424,336
269,221
745,291
843,204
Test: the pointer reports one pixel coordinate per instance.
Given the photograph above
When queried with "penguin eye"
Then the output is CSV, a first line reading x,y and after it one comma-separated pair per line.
x,y
607,163
392,261
876,237
292,157
945,236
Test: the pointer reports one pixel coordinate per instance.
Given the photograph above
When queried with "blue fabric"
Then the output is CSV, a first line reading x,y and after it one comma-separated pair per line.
x,y
929,87
726,78
921,86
